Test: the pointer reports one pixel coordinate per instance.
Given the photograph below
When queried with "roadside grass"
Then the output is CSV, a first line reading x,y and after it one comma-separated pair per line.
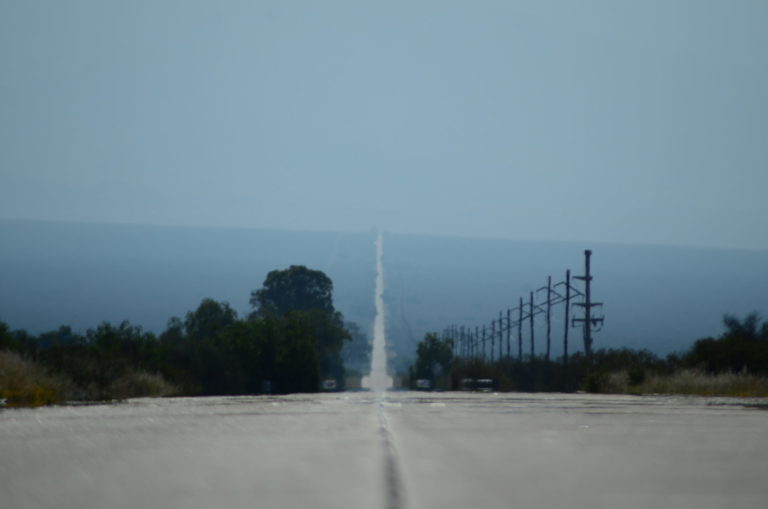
x,y
24,382
690,382
139,384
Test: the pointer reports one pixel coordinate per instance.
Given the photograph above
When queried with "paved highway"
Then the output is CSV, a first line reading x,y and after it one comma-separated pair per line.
x,y
402,450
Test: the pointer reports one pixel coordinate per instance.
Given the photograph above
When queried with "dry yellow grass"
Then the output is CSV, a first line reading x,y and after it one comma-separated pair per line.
x,y
691,382
25,383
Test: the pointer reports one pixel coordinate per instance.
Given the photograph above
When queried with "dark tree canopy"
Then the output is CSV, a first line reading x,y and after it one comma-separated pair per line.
x,y
748,329
294,289
304,295
743,347
434,356
210,318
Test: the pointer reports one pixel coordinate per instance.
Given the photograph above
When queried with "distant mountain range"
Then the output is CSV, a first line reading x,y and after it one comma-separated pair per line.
x,y
656,297
80,274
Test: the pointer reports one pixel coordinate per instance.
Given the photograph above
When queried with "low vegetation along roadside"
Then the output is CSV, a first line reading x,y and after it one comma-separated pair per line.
x,y
24,382
689,381
733,364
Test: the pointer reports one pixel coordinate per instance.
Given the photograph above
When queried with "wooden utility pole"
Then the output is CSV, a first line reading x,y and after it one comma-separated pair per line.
x,y
483,342
533,348
501,338
509,330
549,314
468,342
476,342
588,321
493,339
520,332
567,322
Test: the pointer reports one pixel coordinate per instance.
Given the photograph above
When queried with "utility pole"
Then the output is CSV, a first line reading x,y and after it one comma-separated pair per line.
x,y
588,321
567,323
483,342
549,311
509,329
520,332
457,342
467,343
476,342
533,349
501,338
493,339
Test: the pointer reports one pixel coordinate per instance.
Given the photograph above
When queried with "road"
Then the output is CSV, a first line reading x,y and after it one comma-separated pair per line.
x,y
402,450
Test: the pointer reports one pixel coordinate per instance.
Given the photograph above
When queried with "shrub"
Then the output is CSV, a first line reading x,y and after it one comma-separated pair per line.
x,y
138,384
25,383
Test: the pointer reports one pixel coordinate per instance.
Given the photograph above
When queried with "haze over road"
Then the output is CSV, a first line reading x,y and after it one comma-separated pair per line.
x,y
405,449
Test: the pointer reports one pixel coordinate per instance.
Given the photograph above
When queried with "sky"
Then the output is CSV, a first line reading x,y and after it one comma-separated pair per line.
x,y
614,121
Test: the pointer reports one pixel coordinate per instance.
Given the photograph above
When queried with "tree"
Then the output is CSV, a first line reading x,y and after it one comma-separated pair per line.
x,y
298,366
742,347
209,319
747,329
294,289
306,295
7,341
433,357
174,332
62,336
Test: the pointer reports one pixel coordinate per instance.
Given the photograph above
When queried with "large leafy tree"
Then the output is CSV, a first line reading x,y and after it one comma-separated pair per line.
x,y
294,289
302,295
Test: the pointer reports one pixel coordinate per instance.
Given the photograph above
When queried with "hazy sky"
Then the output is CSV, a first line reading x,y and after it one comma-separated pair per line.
x,y
628,121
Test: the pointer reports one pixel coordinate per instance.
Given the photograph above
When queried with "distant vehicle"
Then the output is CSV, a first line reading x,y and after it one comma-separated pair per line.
x,y
477,384
423,384
484,385
329,384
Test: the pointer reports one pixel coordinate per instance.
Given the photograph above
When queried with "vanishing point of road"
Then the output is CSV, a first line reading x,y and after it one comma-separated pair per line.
x,y
388,450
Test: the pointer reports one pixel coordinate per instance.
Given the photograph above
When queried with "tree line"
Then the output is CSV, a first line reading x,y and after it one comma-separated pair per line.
x,y
742,349
291,341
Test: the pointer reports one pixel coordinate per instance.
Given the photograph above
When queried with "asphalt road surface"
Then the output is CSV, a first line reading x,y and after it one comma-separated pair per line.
x,y
402,450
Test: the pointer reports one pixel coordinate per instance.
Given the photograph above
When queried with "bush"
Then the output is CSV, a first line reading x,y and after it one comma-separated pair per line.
x,y
25,383
139,384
